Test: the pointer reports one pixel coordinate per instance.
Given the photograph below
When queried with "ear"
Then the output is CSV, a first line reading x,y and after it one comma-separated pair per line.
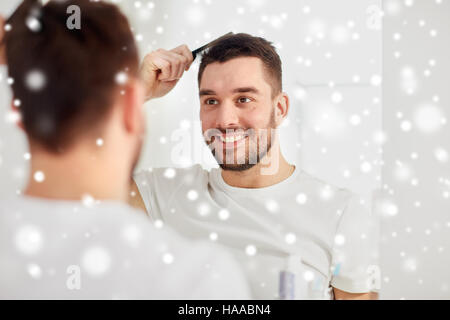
x,y
281,107
132,98
2,45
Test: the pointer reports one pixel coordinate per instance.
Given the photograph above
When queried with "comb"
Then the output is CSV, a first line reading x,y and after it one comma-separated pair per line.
x,y
209,44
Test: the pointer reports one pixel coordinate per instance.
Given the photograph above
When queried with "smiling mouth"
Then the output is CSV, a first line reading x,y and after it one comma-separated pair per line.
x,y
232,138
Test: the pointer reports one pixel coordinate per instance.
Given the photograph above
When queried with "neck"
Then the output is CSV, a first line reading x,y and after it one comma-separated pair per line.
x,y
272,169
79,172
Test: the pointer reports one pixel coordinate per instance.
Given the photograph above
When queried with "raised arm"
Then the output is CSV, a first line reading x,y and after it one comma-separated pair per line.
x,y
160,72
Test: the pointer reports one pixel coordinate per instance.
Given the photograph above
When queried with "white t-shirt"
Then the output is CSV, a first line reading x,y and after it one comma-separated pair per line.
x,y
108,250
294,239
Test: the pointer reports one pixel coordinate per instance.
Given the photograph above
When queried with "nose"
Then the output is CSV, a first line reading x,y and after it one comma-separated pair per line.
x,y
227,116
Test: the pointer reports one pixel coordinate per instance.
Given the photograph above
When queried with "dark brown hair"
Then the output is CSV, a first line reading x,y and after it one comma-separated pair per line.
x,y
245,45
79,67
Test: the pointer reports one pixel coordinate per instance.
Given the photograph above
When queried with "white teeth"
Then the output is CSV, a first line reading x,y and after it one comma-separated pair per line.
x,y
229,139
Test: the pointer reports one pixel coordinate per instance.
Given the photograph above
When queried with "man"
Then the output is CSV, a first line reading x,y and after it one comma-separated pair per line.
x,y
296,236
72,235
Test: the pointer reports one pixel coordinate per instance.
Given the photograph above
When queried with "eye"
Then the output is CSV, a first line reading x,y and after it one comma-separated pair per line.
x,y
244,100
211,101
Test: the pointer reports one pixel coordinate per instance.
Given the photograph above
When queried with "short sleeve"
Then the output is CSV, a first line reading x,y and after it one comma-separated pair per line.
x,y
355,249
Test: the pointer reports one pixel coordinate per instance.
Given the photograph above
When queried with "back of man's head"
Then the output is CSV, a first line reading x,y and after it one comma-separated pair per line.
x,y
65,79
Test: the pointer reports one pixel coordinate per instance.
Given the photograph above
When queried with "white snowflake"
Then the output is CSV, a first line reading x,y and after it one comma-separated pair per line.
x,y
428,118
132,234
224,214
213,236
169,173
290,238
308,276
192,195
250,250
121,78
29,240
272,205
34,270
96,261
39,176
33,24
301,198
339,239
35,80
87,200
168,258
336,97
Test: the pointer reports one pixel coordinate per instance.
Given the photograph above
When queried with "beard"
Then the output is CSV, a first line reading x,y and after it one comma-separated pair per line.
x,y
258,143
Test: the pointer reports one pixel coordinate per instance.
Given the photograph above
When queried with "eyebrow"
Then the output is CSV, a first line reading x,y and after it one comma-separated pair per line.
x,y
208,92
246,89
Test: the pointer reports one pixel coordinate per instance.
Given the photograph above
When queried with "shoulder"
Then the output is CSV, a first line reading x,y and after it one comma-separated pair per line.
x,y
342,207
120,244
314,180
158,186
324,191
